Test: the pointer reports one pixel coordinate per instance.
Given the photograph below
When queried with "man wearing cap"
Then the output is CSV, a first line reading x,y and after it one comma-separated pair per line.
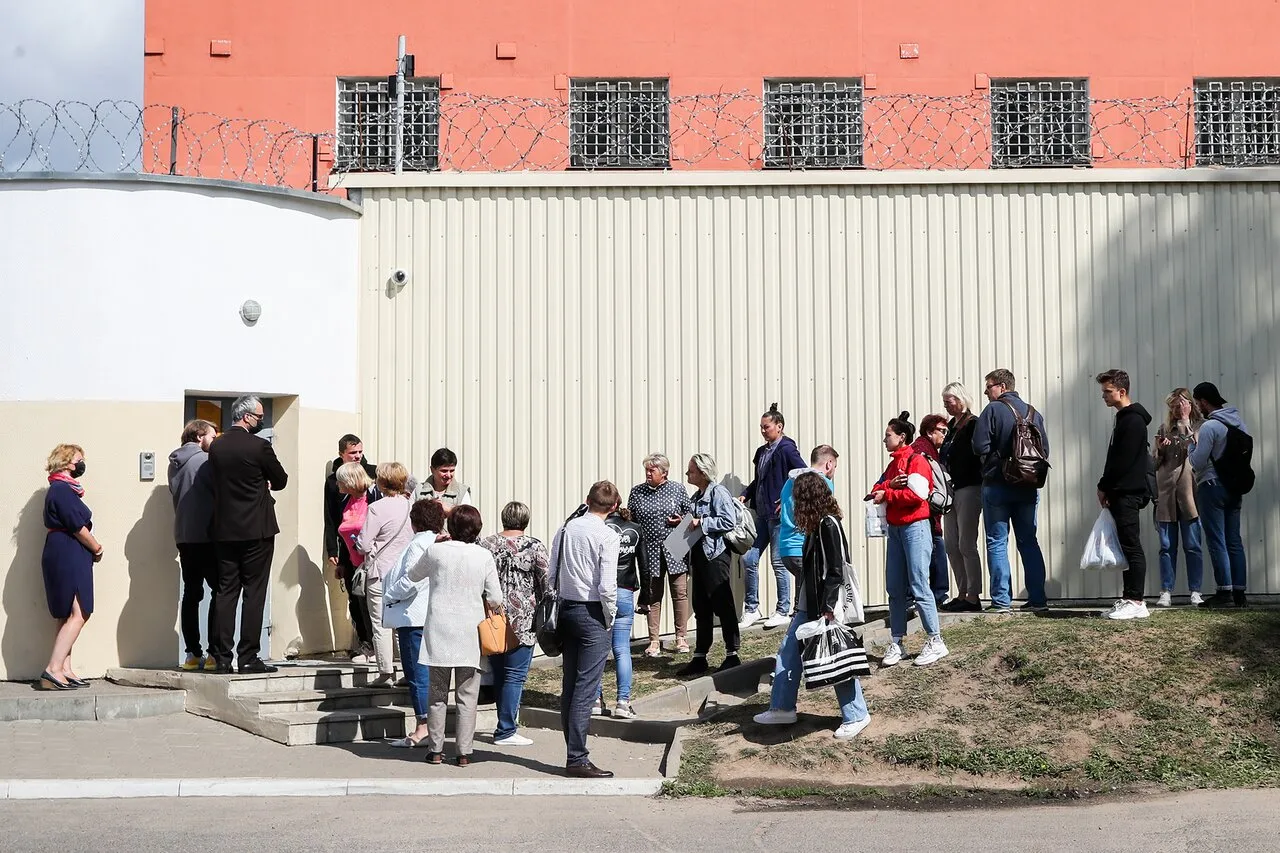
x,y
1219,506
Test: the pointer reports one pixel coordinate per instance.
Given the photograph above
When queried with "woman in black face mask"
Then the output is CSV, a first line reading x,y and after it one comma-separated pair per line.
x,y
70,550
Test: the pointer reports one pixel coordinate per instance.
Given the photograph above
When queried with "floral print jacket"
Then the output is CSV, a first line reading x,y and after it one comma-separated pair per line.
x,y
522,570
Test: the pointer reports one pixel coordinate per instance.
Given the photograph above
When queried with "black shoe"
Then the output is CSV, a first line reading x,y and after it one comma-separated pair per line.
x,y
955,605
1237,595
697,666
1223,599
730,662
224,669
48,682
257,666
587,771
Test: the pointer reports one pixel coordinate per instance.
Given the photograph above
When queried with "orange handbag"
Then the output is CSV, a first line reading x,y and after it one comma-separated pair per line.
x,y
496,636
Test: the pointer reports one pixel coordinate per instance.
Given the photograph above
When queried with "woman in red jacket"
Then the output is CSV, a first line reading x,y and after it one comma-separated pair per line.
x,y
904,488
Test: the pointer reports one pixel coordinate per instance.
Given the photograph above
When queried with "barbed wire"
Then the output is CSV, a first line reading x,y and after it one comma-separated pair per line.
x,y
468,132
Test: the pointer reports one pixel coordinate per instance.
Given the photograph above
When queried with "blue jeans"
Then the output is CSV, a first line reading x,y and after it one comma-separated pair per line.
x,y
1169,553
622,641
510,671
910,552
1003,505
1220,515
418,676
766,534
939,582
786,679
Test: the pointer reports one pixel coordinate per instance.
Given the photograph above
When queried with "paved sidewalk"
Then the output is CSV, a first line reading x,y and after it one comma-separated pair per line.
x,y
184,746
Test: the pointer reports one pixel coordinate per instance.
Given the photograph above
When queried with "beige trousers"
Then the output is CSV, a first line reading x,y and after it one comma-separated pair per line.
x,y
466,689
383,638
680,601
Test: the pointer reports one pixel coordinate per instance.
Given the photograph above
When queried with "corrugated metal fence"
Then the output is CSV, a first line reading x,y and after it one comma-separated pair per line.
x,y
554,334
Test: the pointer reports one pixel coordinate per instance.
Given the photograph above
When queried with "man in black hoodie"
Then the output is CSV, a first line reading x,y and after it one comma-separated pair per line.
x,y
1124,489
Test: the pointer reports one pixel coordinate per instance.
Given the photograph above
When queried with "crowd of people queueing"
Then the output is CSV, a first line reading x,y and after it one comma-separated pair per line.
x,y
420,576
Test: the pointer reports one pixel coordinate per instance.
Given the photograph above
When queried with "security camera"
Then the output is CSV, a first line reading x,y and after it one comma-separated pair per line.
x,y
400,277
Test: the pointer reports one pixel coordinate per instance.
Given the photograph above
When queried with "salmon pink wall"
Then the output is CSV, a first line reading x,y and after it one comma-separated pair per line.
x,y
282,56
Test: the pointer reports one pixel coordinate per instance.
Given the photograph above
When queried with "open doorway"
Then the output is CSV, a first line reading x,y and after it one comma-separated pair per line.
x,y
216,409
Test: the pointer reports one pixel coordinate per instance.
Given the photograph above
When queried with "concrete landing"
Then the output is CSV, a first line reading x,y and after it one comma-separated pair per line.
x,y
101,700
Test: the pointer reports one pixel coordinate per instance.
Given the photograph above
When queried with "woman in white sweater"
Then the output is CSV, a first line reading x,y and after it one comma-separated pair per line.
x,y
404,609
385,535
461,577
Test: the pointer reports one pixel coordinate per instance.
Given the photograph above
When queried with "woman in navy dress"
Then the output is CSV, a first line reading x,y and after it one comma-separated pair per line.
x,y
70,550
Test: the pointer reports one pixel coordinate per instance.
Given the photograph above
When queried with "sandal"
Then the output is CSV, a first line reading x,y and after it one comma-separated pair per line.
x,y
435,758
463,761
653,652
407,743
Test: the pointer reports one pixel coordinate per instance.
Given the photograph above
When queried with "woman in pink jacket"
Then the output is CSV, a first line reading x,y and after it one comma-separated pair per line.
x,y
904,489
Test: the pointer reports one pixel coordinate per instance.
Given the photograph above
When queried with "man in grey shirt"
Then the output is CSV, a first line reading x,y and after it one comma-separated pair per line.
x,y
584,571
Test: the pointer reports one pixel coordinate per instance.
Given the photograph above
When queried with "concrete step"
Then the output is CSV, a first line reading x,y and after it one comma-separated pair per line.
x,y
303,728
293,679
337,699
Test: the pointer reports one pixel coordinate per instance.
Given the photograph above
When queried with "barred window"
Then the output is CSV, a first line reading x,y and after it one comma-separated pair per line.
x,y
1238,122
1040,122
366,125
619,124
812,124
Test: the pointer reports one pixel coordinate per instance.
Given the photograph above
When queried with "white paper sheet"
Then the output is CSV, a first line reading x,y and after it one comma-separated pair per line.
x,y
683,537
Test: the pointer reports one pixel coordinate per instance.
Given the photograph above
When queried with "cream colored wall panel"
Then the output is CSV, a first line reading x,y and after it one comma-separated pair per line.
x,y
557,334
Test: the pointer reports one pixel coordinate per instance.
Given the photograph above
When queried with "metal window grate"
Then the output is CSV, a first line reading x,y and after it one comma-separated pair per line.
x,y
366,125
1040,123
812,124
619,124
1237,122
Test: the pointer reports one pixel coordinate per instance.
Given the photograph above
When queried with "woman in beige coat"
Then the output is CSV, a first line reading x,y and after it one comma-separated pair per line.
x,y
1176,514
461,577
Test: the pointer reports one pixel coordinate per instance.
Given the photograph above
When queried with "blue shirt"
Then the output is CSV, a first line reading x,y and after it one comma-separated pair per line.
x,y
791,540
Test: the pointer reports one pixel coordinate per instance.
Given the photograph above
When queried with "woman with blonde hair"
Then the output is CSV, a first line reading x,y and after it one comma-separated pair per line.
x,y
657,505
70,550
1176,511
354,484
385,535
960,526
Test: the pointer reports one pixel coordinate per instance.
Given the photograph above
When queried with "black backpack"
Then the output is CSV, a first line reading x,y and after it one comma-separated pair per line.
x,y
1235,466
1027,465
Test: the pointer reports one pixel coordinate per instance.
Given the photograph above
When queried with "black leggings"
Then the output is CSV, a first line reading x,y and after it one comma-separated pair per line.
x,y
712,596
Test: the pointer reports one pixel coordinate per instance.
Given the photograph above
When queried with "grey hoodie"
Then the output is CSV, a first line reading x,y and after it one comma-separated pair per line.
x,y
191,485
1211,441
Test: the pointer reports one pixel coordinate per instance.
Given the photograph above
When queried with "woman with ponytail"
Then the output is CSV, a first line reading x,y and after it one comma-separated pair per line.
x,y
904,489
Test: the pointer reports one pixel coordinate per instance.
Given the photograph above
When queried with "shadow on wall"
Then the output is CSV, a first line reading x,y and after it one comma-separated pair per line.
x,y
28,628
315,619
145,634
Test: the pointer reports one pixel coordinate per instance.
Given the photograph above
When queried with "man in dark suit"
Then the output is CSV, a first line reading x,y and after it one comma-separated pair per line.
x,y
244,467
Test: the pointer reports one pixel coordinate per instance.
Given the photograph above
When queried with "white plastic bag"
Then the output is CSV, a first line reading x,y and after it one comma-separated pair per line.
x,y
877,519
1102,551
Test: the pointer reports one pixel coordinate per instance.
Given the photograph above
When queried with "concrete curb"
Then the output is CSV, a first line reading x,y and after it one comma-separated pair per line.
x,y
91,707
84,789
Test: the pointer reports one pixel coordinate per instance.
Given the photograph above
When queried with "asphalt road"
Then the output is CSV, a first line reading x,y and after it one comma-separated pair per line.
x,y
1198,822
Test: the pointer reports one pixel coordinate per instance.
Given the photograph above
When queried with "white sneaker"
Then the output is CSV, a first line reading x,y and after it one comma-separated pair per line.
x,y
1125,609
513,740
777,620
892,655
361,659
934,650
1197,598
749,617
1165,599
774,717
849,731
623,710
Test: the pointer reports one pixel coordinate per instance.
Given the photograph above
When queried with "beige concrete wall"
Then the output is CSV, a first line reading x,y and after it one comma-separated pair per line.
x,y
137,584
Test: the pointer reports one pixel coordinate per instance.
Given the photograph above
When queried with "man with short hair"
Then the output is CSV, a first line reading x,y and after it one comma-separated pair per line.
x,y
823,460
1124,490
584,570
245,472
1219,505
191,487
350,449
1005,504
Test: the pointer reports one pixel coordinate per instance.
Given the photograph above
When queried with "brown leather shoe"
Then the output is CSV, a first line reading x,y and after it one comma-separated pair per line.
x,y
587,771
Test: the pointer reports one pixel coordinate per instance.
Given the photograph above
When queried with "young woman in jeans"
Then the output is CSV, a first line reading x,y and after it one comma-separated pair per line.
x,y
905,487
1176,511
631,568
825,549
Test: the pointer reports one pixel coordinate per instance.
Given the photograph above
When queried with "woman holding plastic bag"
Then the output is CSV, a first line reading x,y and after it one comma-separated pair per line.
x,y
818,516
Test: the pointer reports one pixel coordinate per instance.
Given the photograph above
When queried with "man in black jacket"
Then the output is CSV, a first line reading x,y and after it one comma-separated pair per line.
x,y
1124,490
244,468
350,449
